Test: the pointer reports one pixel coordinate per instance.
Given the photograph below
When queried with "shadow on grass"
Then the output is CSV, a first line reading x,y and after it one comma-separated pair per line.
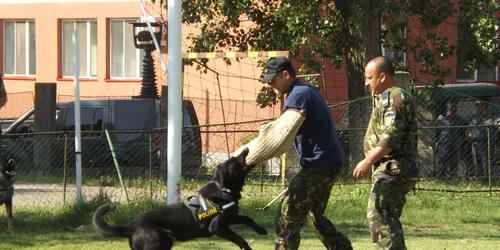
x,y
25,240
35,226
47,220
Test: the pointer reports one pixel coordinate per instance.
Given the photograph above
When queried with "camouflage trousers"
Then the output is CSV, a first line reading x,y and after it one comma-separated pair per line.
x,y
385,206
306,201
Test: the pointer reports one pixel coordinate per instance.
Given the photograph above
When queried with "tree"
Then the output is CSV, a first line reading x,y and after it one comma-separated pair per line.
x,y
351,32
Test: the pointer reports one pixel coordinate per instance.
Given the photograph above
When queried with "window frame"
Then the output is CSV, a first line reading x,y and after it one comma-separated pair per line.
x,y
88,45
476,76
404,62
139,53
476,71
27,51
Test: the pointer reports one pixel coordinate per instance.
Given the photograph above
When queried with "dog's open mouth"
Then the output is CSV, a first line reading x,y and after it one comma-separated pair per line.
x,y
11,173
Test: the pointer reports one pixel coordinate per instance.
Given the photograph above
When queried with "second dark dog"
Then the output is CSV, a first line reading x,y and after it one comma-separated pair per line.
x,y
211,212
7,179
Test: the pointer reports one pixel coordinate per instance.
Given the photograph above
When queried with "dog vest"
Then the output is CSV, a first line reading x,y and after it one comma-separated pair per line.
x,y
202,208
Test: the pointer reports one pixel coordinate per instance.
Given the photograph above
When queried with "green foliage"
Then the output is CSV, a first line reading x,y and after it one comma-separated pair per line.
x,y
478,32
267,97
333,32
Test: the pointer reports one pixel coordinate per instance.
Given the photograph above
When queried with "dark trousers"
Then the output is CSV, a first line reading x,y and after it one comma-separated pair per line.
x,y
447,161
306,201
392,180
480,160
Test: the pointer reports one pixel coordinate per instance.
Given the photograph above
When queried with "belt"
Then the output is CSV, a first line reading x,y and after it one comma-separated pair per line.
x,y
379,162
396,157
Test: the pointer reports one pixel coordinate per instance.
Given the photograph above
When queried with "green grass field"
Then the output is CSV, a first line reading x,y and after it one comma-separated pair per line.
x,y
431,221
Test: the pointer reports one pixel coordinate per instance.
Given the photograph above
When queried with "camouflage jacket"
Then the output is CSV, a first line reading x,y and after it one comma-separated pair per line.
x,y
393,124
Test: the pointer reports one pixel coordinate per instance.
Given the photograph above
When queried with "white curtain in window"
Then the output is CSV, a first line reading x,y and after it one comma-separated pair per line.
x,y
9,48
32,50
19,48
125,58
116,39
68,28
87,47
81,27
132,57
93,49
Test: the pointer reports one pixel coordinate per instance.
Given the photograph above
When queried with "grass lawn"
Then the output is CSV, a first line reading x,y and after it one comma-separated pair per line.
x,y
431,221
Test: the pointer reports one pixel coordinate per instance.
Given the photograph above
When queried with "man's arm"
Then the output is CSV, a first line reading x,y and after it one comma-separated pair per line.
x,y
274,138
394,130
364,167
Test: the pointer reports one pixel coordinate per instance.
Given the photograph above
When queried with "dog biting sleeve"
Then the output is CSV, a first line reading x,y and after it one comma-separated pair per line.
x,y
274,138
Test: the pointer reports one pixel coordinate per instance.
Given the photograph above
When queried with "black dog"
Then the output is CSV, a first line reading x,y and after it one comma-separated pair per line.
x,y
7,179
211,212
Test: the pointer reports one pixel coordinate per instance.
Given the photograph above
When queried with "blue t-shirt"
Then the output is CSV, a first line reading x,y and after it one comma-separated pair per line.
x,y
316,142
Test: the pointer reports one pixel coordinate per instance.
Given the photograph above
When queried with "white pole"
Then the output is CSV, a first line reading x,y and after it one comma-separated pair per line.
x,y
78,155
174,78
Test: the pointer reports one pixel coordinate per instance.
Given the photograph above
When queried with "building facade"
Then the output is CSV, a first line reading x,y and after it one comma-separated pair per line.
x,y
36,46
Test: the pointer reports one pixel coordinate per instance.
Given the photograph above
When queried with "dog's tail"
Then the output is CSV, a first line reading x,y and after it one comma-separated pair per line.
x,y
103,227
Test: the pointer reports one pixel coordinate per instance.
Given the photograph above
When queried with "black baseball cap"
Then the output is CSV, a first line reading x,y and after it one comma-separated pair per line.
x,y
274,66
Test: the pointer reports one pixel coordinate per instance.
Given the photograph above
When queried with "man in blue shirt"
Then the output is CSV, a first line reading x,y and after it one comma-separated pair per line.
x,y
320,154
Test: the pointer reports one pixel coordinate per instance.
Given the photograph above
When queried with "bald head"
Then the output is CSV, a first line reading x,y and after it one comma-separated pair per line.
x,y
379,75
382,65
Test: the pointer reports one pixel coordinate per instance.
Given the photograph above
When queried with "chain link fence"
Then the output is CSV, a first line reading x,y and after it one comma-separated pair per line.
x,y
459,137
458,151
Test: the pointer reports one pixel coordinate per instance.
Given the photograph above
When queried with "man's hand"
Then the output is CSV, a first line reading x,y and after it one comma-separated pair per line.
x,y
363,169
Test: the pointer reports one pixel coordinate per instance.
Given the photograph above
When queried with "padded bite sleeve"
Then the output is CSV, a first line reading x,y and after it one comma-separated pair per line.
x,y
274,138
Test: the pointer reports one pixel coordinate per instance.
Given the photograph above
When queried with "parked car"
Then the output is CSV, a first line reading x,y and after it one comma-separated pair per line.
x,y
433,103
132,123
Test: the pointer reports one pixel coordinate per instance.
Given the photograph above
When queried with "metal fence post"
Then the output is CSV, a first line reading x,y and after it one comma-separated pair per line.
x,y
116,164
65,166
151,165
489,159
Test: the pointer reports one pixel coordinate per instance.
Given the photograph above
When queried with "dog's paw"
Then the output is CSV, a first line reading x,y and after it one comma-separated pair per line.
x,y
261,231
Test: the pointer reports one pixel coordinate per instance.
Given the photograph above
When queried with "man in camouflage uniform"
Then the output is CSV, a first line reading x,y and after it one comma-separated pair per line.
x,y
449,141
391,151
321,159
479,139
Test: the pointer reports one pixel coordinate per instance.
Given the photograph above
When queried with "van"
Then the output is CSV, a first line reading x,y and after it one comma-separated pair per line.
x,y
133,124
432,103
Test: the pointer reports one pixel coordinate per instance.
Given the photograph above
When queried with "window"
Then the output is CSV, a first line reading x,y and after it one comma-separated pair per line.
x,y
125,58
482,74
463,51
397,57
87,48
19,48
91,119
